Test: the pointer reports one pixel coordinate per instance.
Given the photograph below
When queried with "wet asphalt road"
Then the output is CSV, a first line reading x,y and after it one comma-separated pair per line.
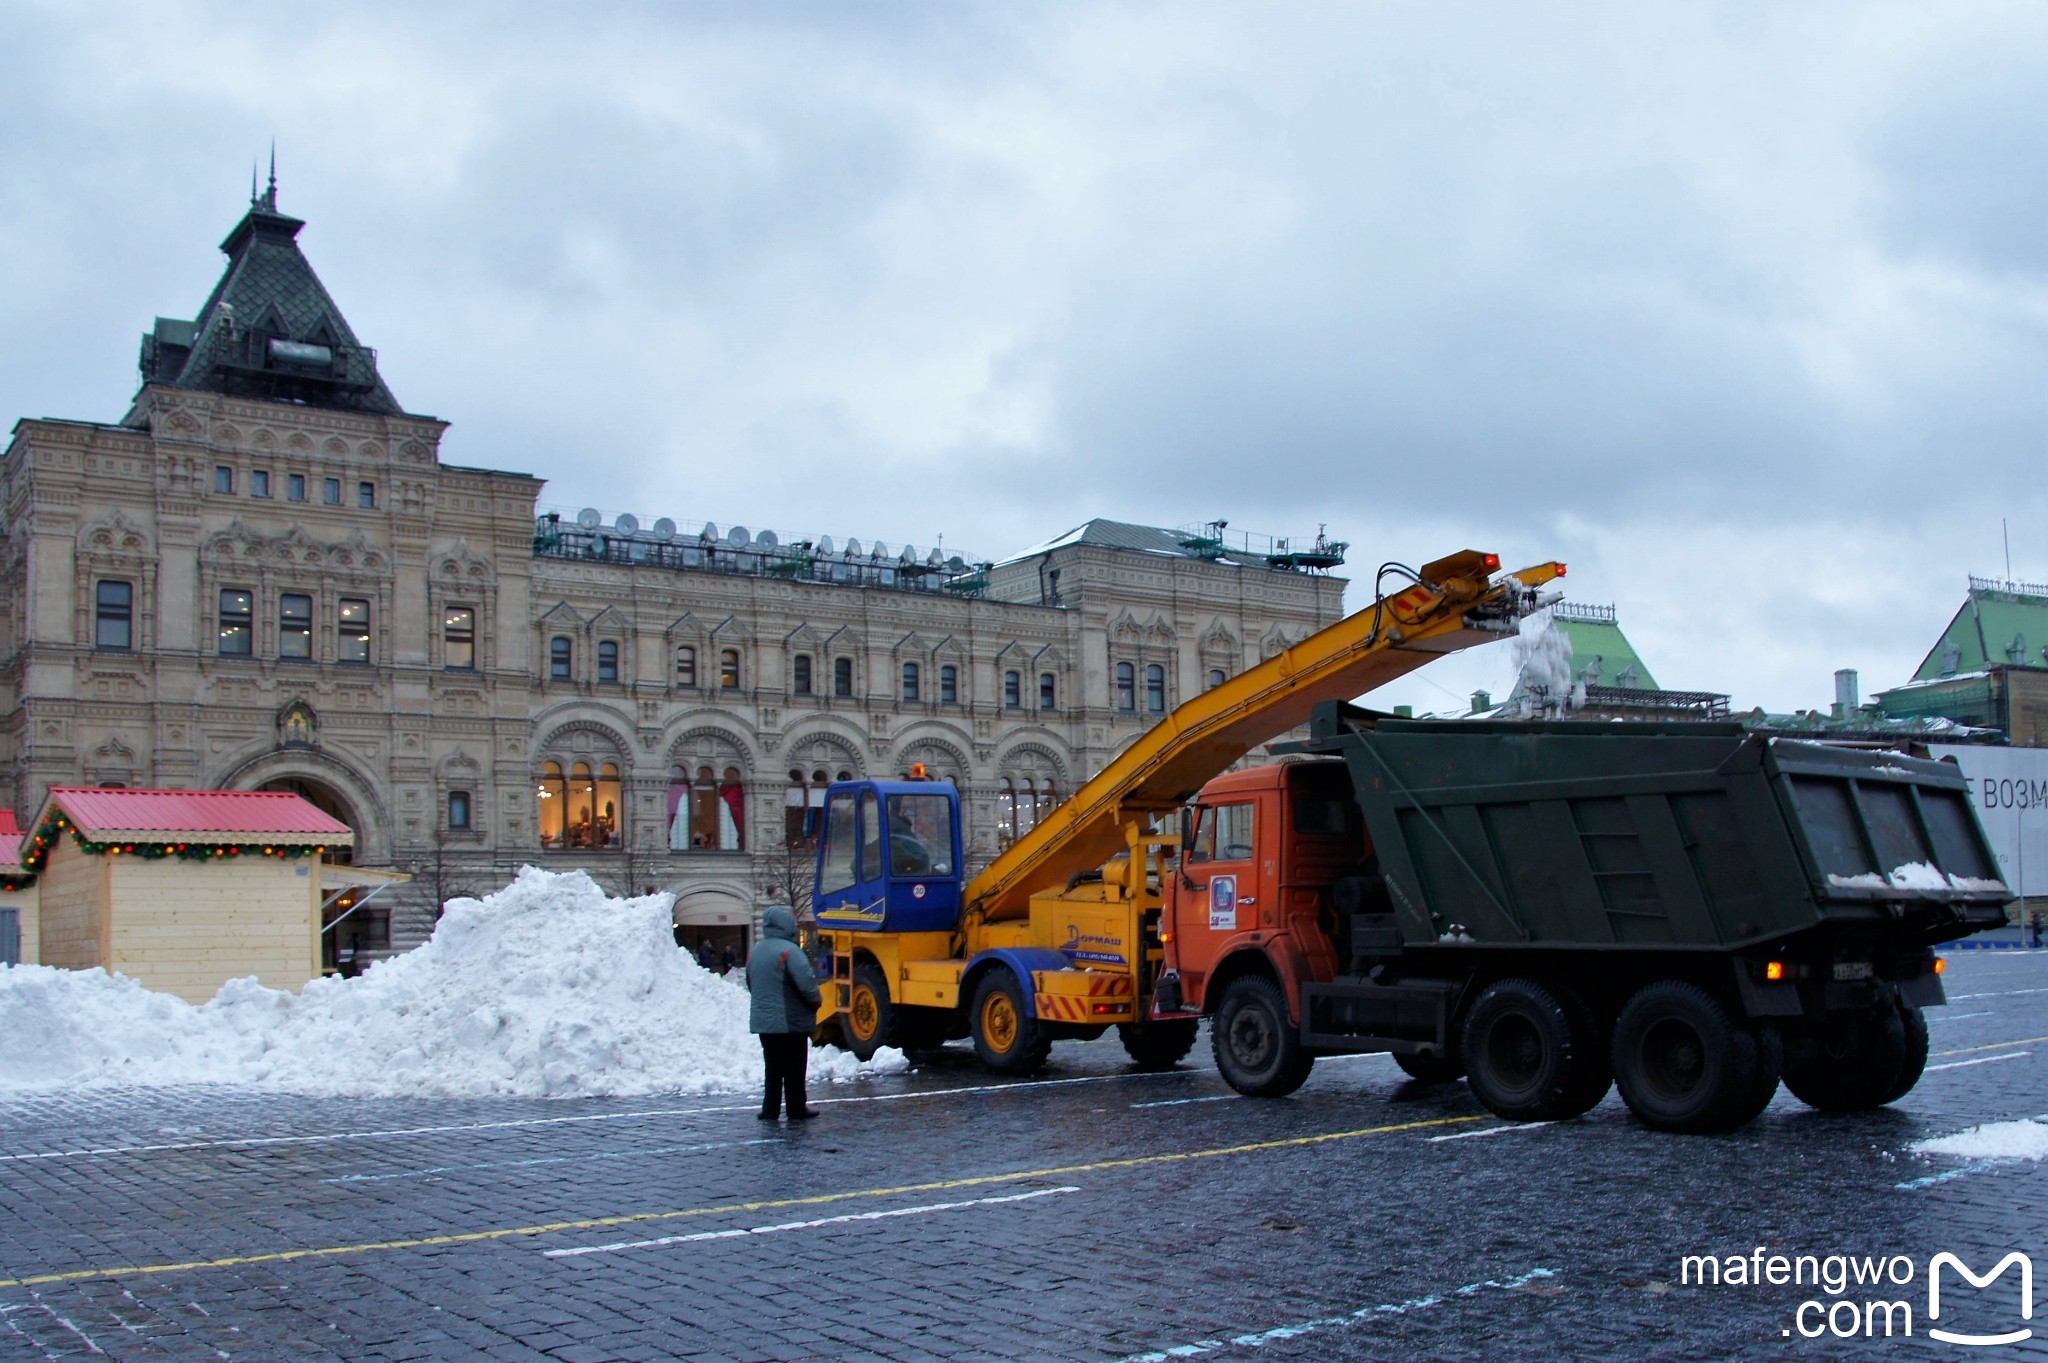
x,y
1091,1213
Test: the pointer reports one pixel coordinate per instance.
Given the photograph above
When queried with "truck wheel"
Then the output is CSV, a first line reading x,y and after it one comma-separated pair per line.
x,y
1532,1055
1684,1065
1431,1069
1008,1040
1851,1062
1157,1045
1770,1064
1915,1023
870,1019
1256,1047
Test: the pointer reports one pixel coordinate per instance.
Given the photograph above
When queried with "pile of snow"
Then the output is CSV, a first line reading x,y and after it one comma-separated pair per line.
x,y
1915,875
2024,1139
545,989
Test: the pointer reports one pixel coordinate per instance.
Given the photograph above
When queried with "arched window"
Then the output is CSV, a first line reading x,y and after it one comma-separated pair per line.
x,y
686,665
800,674
909,681
729,668
706,810
1013,690
795,801
559,657
1126,687
1216,677
1045,691
608,662
582,807
949,685
552,800
1006,812
1155,689
732,811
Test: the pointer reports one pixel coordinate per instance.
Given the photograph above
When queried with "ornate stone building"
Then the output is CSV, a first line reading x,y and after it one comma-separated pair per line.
x,y
264,576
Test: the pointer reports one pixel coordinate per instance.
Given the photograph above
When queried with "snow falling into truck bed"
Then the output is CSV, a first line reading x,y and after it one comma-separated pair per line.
x,y
546,988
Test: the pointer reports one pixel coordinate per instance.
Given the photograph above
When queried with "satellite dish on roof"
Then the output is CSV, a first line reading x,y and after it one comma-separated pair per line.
x,y
628,522
589,518
709,532
824,544
878,550
853,548
664,529
909,555
956,564
934,559
766,539
738,537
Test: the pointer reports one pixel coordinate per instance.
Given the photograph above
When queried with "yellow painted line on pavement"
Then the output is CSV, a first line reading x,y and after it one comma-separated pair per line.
x,y
641,1218
1993,1046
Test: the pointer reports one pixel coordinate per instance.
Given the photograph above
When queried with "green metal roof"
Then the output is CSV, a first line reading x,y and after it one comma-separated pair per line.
x,y
1999,623
1601,653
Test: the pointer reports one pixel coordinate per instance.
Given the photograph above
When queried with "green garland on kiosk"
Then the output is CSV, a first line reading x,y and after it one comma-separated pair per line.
x,y
36,848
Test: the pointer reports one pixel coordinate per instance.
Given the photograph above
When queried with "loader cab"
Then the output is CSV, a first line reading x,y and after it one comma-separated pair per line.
x,y
889,857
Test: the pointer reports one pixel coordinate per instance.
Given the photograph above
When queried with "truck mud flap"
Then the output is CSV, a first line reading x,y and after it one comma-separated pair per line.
x,y
1346,1015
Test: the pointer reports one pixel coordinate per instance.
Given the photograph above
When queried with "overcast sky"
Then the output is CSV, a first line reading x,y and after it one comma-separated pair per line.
x,y
1740,309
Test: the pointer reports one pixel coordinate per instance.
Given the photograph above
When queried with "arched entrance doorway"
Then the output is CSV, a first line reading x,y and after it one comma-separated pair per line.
x,y
325,799
353,930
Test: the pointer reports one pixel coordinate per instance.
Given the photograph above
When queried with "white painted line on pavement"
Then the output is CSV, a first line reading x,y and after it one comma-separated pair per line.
x,y
255,1142
547,1159
1490,1131
743,1232
1997,994
1182,1102
1359,1317
1956,1017
1981,1060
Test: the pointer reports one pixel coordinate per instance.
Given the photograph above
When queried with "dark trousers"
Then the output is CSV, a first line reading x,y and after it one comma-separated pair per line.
x,y
786,1056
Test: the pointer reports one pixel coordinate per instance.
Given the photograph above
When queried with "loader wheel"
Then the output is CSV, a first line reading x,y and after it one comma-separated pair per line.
x,y
1684,1065
1533,1055
870,1020
1008,1040
1854,1061
1256,1047
1157,1045
1431,1069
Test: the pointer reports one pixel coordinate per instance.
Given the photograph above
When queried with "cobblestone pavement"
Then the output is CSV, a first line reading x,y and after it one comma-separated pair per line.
x,y
1089,1214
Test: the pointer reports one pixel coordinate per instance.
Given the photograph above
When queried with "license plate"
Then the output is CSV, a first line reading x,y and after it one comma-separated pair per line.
x,y
1852,970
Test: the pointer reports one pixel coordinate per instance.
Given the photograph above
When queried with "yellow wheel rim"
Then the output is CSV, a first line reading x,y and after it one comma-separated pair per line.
x,y
865,1014
999,1022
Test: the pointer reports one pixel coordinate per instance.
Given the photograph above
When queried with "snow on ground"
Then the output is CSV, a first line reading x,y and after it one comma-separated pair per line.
x,y
1994,1140
546,988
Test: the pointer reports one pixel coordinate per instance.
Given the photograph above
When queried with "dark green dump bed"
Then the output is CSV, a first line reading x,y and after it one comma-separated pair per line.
x,y
1692,835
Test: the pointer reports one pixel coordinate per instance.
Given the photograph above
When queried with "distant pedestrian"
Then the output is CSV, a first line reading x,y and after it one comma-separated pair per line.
x,y
784,992
2034,929
707,954
729,962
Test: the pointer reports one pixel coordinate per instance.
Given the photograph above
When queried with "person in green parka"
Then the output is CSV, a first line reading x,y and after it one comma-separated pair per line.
x,y
784,993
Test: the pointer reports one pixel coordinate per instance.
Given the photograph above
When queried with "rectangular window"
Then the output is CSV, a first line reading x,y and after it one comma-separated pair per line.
x,y
800,674
295,487
1045,691
949,685
294,626
1155,689
608,663
223,478
259,483
458,638
842,676
353,631
686,665
560,658
330,491
237,623
1013,690
1126,687
837,868
1225,834
910,681
729,668
366,496
458,809
114,615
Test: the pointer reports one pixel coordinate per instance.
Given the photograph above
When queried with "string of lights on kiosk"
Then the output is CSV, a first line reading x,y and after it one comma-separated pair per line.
x,y
36,848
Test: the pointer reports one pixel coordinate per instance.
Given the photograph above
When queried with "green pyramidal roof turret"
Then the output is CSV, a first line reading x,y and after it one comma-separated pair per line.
x,y
269,330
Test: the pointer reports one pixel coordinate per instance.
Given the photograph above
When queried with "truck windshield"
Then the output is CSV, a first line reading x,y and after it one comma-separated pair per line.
x,y
920,835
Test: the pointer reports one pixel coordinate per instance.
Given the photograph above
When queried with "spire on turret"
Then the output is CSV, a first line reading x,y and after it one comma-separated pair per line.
x,y
269,203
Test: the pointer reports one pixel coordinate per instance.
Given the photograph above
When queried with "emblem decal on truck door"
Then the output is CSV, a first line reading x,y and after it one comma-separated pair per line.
x,y
1223,904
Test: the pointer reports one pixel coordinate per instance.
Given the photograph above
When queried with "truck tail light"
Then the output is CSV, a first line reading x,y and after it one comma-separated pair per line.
x,y
1940,965
1774,970
1109,1007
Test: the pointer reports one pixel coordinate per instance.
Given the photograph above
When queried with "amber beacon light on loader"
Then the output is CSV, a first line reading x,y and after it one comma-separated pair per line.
x,y
1547,909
